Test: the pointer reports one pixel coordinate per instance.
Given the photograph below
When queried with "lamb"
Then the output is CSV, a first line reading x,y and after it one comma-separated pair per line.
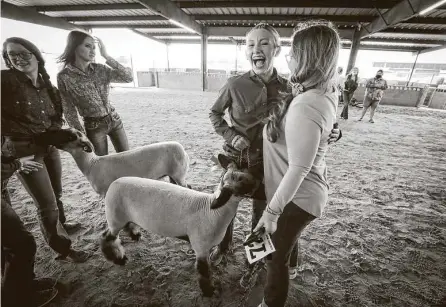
x,y
153,161
174,211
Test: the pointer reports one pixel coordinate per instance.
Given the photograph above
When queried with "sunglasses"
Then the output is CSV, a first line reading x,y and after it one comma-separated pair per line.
x,y
22,55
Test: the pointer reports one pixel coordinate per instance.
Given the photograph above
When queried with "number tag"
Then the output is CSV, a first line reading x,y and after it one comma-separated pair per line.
x,y
259,249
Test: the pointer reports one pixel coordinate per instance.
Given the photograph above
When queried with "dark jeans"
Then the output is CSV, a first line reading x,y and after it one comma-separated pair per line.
x,y
347,98
97,130
45,187
18,252
289,227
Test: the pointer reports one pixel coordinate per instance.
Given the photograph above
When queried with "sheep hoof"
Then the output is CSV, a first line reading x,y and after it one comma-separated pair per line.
x,y
121,261
135,236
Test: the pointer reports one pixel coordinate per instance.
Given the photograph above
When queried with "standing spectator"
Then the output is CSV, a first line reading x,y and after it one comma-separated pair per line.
x,y
350,86
374,93
84,87
340,81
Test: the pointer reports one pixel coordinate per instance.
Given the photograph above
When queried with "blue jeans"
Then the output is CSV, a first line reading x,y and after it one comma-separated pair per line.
x,y
97,130
290,225
45,187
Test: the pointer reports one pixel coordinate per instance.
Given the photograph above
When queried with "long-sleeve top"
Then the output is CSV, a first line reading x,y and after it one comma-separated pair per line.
x,y
350,84
375,88
248,101
295,168
27,109
87,92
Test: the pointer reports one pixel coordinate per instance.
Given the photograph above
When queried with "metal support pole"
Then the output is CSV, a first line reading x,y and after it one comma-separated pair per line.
x,y
356,40
204,58
413,68
167,54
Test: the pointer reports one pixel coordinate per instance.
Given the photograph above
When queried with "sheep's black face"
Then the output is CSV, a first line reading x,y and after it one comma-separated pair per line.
x,y
240,182
65,139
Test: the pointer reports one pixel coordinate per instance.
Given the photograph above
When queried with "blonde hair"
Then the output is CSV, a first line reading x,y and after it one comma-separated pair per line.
x,y
315,48
268,28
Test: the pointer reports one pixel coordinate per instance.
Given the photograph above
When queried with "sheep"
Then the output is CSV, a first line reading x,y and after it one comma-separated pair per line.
x,y
153,161
174,211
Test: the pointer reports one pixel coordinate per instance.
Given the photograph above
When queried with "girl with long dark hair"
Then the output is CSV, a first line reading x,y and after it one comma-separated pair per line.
x,y
84,88
30,106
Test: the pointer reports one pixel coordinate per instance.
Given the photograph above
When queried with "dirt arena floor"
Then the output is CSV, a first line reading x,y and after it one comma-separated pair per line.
x,y
380,242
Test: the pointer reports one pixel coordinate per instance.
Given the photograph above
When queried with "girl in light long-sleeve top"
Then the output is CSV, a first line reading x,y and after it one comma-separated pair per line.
x,y
84,88
294,146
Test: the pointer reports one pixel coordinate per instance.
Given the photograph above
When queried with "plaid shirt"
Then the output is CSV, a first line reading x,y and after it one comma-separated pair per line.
x,y
26,109
87,92
375,88
248,100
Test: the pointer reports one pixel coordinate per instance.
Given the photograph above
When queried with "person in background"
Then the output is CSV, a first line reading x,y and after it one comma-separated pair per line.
x,y
340,82
350,86
374,92
30,106
84,87
295,141
249,99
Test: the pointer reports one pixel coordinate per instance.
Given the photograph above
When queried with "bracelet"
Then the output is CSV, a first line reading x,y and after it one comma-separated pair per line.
x,y
271,211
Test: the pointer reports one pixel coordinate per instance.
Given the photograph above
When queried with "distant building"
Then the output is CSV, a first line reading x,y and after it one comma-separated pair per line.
x,y
424,73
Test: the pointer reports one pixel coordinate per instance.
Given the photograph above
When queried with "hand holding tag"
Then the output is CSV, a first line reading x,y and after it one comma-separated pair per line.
x,y
258,246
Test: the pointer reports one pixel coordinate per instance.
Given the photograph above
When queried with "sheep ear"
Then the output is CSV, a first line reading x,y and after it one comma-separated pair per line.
x,y
222,199
224,160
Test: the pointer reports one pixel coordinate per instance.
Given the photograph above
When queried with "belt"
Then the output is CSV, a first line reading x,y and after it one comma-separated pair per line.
x,y
96,118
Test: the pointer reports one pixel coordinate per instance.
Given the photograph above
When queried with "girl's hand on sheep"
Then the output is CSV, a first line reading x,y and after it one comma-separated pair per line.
x,y
239,142
268,221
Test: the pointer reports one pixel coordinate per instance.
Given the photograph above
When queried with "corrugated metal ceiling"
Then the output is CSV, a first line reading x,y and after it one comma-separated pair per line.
x,y
66,2
142,12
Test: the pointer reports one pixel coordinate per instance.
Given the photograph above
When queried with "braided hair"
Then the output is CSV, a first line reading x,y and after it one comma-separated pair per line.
x,y
52,92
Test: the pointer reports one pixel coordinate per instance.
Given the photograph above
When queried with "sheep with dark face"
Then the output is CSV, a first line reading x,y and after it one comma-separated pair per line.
x,y
153,161
174,211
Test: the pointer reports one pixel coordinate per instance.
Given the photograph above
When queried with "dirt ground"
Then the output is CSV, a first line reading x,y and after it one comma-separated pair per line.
x,y
380,242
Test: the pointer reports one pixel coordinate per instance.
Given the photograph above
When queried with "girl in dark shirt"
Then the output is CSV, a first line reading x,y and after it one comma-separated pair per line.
x,y
350,86
31,105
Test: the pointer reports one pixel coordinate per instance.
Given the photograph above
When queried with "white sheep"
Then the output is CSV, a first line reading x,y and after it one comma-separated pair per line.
x,y
153,161
174,211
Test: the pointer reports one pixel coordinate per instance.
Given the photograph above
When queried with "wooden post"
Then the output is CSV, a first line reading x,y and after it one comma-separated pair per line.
x,y
354,49
204,59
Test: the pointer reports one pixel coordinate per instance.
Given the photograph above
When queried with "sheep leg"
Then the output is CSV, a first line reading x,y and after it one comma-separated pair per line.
x,y
111,247
132,230
204,275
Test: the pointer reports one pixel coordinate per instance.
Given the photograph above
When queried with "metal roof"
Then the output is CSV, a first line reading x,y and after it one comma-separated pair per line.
x,y
415,33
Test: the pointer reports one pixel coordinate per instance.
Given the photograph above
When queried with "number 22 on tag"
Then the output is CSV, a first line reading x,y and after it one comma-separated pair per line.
x,y
259,249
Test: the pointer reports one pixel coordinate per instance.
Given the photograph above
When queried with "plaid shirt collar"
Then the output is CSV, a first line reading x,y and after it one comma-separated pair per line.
x,y
275,77
74,69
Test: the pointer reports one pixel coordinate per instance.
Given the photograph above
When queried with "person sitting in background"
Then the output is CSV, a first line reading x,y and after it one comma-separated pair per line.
x,y
295,141
84,87
19,284
373,94
30,106
350,86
